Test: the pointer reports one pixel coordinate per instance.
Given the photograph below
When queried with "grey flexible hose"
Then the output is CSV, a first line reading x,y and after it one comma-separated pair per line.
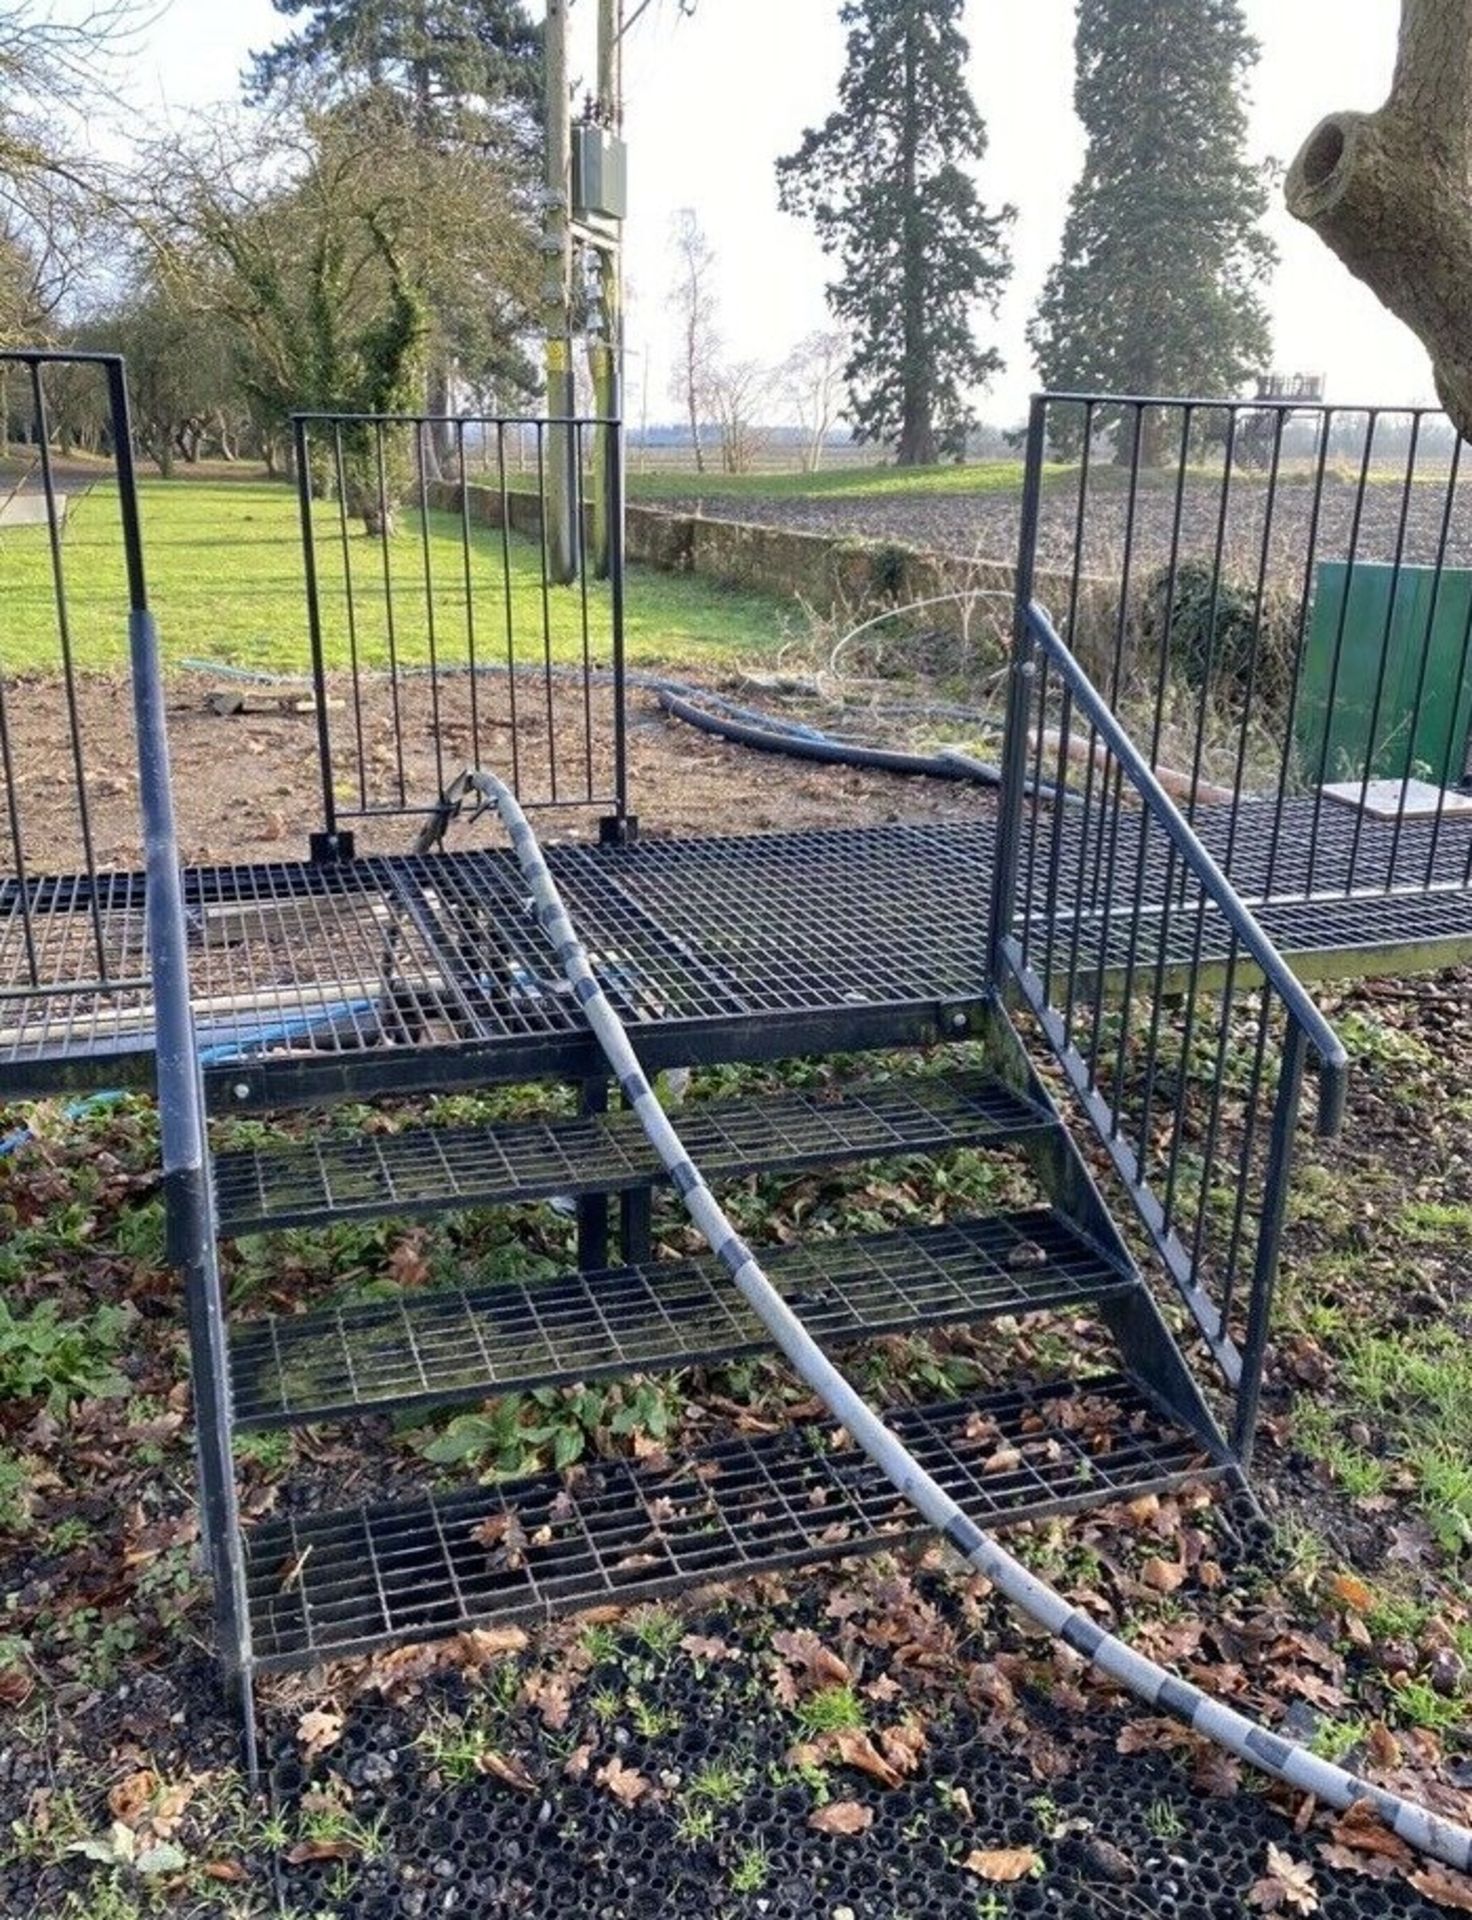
x,y
1159,1689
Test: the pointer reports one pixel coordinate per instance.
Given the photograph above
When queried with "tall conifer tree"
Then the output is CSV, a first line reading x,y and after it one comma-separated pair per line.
x,y
1157,287
887,182
472,68
465,76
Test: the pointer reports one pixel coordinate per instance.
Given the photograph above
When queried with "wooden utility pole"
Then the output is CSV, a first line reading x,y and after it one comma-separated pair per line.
x,y
564,535
606,352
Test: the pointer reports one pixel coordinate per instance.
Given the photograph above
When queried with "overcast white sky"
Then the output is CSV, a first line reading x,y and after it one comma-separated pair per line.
x,y
715,99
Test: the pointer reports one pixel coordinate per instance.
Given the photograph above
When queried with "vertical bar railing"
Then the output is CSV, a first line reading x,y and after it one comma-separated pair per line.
x,y
1199,1128
1019,697
470,556
1272,594
302,452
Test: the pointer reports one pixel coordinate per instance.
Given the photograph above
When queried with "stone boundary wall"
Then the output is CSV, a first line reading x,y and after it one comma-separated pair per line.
x,y
828,575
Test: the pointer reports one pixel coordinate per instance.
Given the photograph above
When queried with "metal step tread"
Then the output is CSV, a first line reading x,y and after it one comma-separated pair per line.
x,y
436,1169
447,1344
327,1584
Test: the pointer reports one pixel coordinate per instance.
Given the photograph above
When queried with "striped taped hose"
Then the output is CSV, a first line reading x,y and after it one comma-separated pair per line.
x,y
1159,1689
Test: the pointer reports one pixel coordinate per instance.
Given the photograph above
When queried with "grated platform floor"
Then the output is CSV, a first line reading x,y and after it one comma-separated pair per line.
x,y
313,980
447,1344
425,1170
330,1583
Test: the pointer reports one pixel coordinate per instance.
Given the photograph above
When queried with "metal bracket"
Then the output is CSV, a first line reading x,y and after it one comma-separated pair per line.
x,y
329,848
618,830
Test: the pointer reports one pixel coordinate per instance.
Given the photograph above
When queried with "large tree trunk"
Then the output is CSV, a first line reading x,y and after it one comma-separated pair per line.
x,y
1391,192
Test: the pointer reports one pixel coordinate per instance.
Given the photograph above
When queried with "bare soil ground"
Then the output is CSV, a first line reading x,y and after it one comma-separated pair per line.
x,y
247,786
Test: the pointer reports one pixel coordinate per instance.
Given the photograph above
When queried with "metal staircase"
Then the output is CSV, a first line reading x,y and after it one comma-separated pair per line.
x,y
323,1583
1116,959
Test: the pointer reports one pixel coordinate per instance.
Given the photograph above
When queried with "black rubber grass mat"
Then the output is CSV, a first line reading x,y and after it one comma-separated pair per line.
x,y
720,1830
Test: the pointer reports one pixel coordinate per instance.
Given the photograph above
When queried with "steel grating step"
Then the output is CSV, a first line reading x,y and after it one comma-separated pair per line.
x,y
438,1169
328,1584
449,1344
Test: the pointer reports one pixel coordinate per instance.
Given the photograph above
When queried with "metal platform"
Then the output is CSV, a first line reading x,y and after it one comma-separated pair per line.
x,y
468,1343
384,972
325,1584
428,1170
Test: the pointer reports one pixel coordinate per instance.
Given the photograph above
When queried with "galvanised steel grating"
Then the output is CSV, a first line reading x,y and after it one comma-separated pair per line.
x,y
450,1344
388,971
427,1170
326,1584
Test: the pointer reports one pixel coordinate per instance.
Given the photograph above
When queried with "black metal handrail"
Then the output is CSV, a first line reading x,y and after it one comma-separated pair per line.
x,y
1323,1042
1179,1026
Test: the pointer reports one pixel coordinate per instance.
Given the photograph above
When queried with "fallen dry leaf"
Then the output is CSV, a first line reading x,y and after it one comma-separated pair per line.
x,y
477,1645
130,1799
16,1686
624,1783
506,1768
1215,1773
504,1538
1361,1828
1288,1885
1373,1866
1447,1889
1165,1576
1351,1592
841,1816
1004,1460
551,1695
817,1665
856,1749
317,1730
700,1646
578,1761
1002,1864
903,1745
306,1850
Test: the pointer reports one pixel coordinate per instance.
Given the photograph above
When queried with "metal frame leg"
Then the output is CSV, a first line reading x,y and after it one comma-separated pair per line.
x,y
593,1210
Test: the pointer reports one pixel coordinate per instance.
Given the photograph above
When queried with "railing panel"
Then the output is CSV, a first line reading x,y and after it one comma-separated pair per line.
x,y
1179,1027
68,544
1276,597
443,634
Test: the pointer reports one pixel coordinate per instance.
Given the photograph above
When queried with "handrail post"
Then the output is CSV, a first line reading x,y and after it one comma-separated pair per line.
x,y
1269,1242
302,458
1019,698
617,511
188,1199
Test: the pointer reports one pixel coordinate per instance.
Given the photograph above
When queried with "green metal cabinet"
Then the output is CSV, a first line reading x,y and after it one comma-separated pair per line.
x,y
1365,616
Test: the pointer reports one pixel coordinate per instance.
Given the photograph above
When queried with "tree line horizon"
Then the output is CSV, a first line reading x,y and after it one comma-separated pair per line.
x,y
362,233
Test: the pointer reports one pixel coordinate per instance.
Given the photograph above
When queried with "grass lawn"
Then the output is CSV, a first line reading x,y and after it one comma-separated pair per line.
x,y
225,578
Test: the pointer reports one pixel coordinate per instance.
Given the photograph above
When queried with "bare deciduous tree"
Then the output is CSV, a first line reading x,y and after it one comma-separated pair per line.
x,y
811,382
55,78
1391,191
694,300
739,390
